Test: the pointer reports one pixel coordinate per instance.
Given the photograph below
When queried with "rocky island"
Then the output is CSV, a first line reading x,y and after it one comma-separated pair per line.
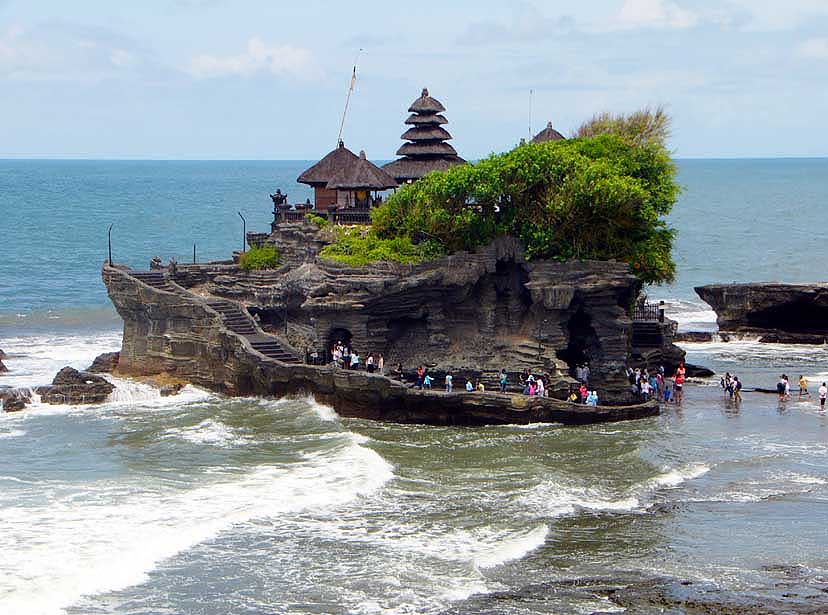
x,y
467,284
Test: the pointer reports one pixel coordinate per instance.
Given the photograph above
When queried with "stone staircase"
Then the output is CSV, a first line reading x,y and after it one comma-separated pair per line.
x,y
238,321
233,317
647,334
153,278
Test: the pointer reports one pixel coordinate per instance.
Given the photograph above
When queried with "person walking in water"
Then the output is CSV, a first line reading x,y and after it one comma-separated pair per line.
x,y
803,387
780,387
737,389
823,393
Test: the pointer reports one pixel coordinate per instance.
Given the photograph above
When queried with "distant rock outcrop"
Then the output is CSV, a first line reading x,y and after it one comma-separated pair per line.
x,y
73,387
788,313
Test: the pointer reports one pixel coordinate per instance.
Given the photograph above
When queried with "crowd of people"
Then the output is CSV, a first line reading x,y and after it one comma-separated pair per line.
x,y
731,386
783,389
346,357
646,385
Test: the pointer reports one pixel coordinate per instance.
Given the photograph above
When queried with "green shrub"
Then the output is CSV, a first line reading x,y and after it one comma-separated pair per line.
x,y
356,247
317,220
259,257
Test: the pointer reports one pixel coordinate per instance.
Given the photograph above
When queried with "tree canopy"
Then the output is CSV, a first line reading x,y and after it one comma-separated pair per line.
x,y
598,197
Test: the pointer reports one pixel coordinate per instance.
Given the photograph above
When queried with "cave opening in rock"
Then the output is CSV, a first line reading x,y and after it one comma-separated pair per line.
x,y
337,335
799,316
582,340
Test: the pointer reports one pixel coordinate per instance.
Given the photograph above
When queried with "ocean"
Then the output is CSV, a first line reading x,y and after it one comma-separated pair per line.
x,y
203,504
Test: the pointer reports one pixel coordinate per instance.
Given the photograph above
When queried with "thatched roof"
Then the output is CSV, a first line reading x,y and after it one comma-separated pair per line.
x,y
361,175
426,133
426,118
405,169
320,173
426,104
433,148
548,134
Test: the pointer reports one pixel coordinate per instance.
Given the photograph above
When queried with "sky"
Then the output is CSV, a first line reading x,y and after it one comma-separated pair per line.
x,y
267,79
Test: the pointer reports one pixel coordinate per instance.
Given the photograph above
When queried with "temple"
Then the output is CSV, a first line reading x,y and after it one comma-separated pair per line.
x,y
425,149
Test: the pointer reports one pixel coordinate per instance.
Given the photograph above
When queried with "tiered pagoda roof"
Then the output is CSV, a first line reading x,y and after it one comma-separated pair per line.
x,y
548,134
426,149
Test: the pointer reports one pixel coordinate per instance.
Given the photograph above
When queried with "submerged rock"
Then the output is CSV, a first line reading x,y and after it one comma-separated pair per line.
x,y
3,368
71,386
104,363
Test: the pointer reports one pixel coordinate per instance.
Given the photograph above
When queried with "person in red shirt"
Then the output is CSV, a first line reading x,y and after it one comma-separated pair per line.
x,y
680,372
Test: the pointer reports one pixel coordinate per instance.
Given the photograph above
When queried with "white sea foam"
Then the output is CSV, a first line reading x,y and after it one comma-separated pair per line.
x,y
324,412
102,537
558,498
209,431
34,360
672,478
14,433
502,548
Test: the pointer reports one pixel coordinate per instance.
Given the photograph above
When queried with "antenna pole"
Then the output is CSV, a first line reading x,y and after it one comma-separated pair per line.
x,y
348,97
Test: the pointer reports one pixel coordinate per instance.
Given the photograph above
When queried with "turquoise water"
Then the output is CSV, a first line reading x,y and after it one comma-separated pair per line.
x,y
208,505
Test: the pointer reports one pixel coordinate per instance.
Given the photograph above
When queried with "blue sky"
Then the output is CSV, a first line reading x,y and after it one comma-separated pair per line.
x,y
267,79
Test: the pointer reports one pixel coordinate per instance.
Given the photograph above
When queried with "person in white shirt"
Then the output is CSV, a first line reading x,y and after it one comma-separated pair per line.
x,y
823,393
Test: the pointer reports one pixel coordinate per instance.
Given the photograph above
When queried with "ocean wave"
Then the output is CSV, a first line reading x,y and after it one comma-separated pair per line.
x,y
208,431
105,537
14,433
672,478
557,498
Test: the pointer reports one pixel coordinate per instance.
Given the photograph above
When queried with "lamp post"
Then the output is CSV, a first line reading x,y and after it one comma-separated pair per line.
x,y
244,231
109,235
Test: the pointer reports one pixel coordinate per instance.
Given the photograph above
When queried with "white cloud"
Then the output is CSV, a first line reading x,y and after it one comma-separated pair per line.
x,y
59,51
813,49
259,58
655,14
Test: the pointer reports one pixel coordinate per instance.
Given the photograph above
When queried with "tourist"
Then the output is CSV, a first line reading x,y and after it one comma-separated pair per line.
x,y
427,380
420,376
737,389
381,364
667,392
449,386
646,389
541,389
533,389
346,357
803,387
823,393
584,393
787,386
780,387
480,388
469,386
660,386
398,373
592,398
679,387
585,373
354,360
369,363
503,380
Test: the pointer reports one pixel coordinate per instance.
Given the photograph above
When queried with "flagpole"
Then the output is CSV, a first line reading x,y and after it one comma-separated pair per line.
x,y
348,98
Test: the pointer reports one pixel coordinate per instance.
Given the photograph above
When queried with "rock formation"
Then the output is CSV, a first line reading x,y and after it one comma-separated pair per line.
x,y
13,399
470,314
73,387
793,313
3,368
105,363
